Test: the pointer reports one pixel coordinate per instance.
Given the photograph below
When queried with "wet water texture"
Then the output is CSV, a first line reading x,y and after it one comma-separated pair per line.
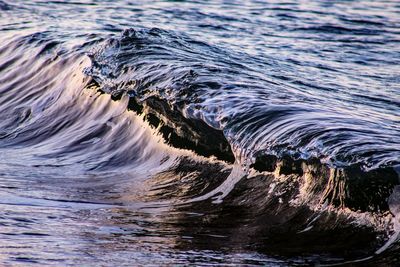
x,y
199,133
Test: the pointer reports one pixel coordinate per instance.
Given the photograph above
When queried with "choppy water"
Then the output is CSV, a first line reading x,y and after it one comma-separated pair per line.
x,y
199,132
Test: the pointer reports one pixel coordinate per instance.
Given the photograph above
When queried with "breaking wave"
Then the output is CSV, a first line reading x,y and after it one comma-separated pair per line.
x,y
239,156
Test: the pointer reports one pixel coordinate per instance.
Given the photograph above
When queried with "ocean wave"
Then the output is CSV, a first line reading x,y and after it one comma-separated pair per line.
x,y
289,173
192,92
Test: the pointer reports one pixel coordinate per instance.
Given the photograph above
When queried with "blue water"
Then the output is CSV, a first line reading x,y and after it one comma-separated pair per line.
x,y
199,132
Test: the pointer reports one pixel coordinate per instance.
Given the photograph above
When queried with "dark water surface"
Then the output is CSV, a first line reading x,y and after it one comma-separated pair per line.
x,y
199,132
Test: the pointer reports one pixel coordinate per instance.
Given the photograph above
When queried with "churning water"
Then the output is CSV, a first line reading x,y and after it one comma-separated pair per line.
x,y
199,132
